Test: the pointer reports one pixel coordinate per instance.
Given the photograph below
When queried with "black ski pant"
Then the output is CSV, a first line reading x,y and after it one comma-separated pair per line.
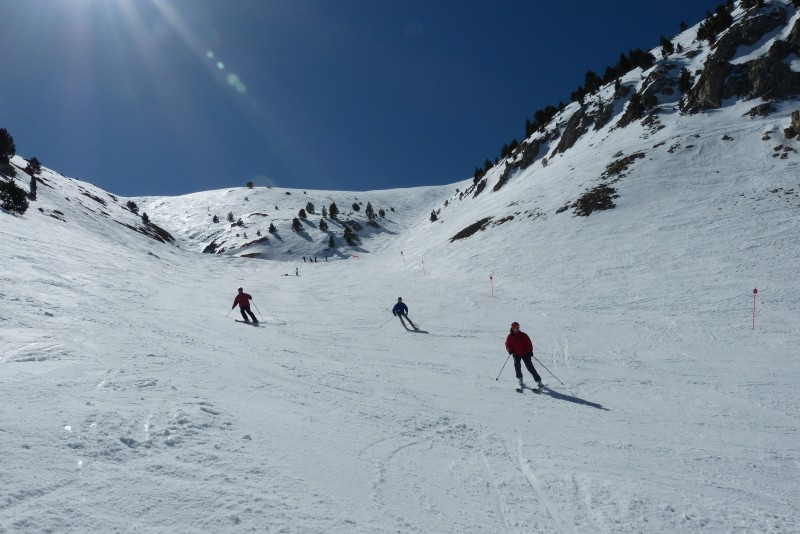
x,y
528,365
245,316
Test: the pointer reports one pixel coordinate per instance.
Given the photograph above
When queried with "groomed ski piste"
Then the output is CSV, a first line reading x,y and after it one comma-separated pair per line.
x,y
130,402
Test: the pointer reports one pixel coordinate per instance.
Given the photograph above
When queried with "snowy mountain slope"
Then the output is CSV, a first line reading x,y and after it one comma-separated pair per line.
x,y
132,402
191,219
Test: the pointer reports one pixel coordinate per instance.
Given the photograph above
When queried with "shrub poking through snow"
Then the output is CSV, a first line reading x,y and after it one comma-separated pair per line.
x,y
596,199
472,229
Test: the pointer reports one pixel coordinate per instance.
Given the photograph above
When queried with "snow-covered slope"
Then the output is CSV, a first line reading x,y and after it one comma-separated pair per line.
x,y
132,401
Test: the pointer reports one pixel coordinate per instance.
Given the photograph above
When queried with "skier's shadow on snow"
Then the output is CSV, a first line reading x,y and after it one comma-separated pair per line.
x,y
570,398
414,330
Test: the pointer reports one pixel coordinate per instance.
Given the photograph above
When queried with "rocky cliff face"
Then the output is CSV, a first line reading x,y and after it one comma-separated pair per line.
x,y
768,76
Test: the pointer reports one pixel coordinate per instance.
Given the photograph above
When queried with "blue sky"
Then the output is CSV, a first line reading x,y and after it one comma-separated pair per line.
x,y
163,97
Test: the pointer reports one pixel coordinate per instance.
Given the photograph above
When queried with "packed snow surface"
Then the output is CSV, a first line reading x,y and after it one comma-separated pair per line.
x,y
132,401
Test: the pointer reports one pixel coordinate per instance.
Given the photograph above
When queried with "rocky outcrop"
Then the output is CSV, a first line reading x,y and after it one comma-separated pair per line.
x,y
707,92
604,114
577,125
761,110
638,106
529,151
794,129
765,77
660,82
781,49
748,32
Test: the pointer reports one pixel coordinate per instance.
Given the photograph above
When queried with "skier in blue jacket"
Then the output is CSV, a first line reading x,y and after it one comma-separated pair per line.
x,y
401,310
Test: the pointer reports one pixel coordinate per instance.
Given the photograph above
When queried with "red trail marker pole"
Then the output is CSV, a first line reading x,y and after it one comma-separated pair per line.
x,y
755,292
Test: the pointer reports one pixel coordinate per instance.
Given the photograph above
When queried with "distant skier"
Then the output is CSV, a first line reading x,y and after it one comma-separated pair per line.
x,y
519,345
401,310
243,300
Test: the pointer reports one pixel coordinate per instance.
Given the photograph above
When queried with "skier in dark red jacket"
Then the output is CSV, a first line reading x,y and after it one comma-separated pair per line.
x,y
243,300
519,345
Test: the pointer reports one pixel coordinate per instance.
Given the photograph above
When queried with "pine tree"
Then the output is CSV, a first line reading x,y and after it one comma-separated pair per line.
x,y
7,147
349,236
381,213
302,214
34,166
310,207
32,194
145,218
592,81
249,185
215,219
323,225
272,228
230,216
131,205
356,207
667,48
433,216
685,81
369,211
12,197
331,242
296,225
324,211
333,210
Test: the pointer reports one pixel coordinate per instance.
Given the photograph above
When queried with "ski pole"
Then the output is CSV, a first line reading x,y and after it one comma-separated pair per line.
x,y
548,370
229,312
259,311
381,326
504,366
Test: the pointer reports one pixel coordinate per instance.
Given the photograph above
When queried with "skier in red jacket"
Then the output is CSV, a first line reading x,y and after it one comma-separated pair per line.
x,y
519,345
243,300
